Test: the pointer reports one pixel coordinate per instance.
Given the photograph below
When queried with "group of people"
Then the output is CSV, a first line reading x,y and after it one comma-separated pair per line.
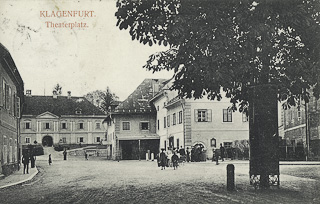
x,y
26,159
172,157
218,153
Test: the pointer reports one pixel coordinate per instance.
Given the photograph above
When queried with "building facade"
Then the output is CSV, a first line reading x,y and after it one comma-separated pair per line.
x,y
301,131
11,98
61,121
201,123
131,127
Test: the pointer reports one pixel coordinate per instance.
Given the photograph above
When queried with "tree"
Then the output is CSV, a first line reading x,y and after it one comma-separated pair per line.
x,y
58,89
239,47
230,45
102,99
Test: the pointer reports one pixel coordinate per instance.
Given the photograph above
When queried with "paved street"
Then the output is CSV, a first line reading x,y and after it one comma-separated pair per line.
x,y
94,181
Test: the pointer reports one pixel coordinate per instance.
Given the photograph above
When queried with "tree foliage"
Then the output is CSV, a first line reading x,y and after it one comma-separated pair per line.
x,y
102,99
58,89
227,45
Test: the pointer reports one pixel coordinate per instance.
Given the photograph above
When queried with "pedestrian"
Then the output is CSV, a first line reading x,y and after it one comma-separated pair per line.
x,y
65,155
175,160
25,161
182,152
216,155
222,151
188,155
163,159
192,154
33,161
85,155
50,160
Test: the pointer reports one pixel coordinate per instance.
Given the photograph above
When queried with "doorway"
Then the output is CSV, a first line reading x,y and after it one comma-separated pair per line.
x,y
47,141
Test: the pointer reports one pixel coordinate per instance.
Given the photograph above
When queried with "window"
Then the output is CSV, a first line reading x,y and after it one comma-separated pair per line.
x,y
81,126
18,107
158,124
28,140
144,125
9,99
174,119
125,125
97,139
78,111
168,120
64,140
28,125
202,115
245,118
98,125
213,142
227,115
10,150
180,117
299,113
164,122
5,150
171,142
177,142
47,125
64,125
80,139
157,108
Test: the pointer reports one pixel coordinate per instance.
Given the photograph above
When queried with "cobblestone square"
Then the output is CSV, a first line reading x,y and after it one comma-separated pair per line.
x,y
101,181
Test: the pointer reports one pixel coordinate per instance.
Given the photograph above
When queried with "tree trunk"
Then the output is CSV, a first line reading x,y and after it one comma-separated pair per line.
x,y
263,133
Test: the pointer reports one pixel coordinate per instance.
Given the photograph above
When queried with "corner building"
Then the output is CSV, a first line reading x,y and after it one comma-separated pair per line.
x,y
11,98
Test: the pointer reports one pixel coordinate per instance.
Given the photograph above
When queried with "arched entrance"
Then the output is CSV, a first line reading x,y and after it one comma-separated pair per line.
x,y
47,141
199,152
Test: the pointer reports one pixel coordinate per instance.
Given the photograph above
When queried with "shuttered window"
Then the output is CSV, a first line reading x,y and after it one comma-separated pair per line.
x,y
227,115
203,115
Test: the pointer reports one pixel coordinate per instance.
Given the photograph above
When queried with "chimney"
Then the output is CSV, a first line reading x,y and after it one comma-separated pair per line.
x,y
69,94
28,93
54,93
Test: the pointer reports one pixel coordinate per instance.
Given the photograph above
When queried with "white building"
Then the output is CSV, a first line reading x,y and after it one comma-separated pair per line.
x,y
201,122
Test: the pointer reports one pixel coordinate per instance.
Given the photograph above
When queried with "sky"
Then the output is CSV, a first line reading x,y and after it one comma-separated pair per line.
x,y
80,59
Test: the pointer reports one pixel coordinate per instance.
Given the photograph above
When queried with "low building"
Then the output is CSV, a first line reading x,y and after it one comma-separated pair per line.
x,y
131,131
61,121
200,123
11,98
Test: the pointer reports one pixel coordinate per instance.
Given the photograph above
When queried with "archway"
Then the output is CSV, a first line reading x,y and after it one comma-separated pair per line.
x,y
199,152
47,141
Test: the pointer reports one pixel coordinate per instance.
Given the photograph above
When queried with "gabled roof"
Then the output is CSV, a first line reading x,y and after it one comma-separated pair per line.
x,y
36,105
139,100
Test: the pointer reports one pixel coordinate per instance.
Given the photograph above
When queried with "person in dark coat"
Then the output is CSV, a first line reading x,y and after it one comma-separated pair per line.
x,y
163,159
182,152
25,161
50,160
33,161
86,156
65,155
188,155
222,151
175,160
192,154
216,155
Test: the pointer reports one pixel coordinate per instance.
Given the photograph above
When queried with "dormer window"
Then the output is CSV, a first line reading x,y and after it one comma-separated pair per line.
x,y
78,111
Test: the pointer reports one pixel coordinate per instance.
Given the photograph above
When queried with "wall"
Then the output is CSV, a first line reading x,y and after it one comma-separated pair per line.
x,y
8,128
